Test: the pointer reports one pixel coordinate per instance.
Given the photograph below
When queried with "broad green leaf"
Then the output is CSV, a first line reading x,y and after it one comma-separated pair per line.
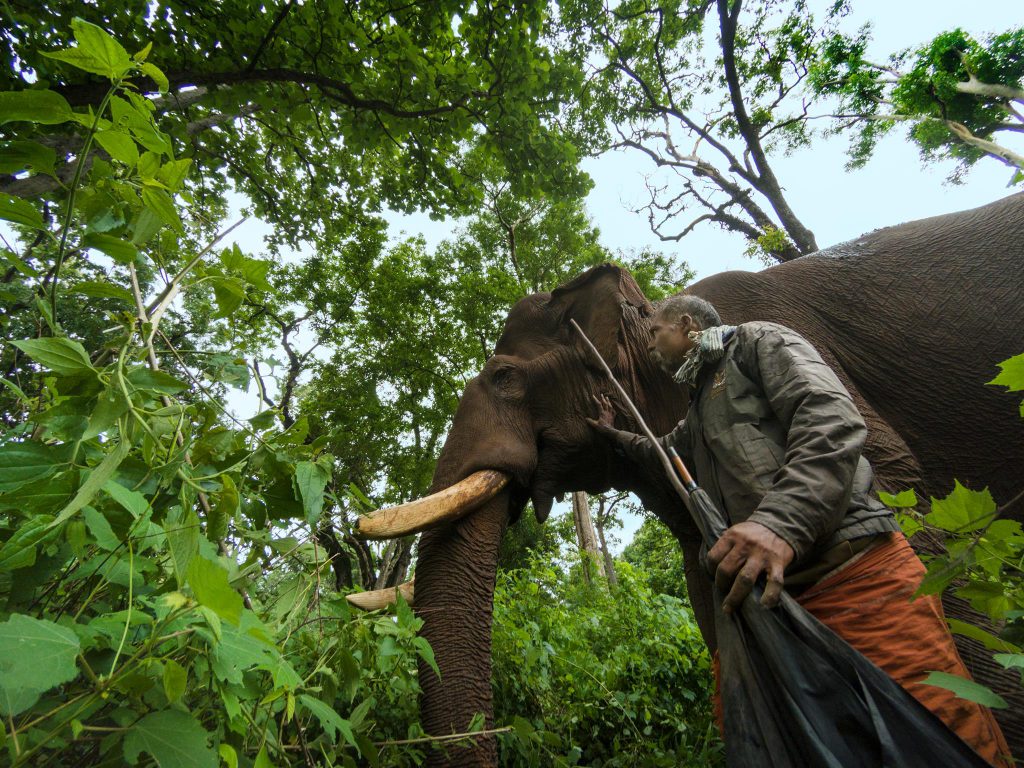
x,y
228,755
183,533
46,495
35,656
97,52
223,510
23,463
155,381
331,721
965,689
110,406
133,501
902,500
156,75
1010,660
229,293
175,679
97,478
19,551
119,146
311,479
97,289
174,172
100,529
17,156
425,652
262,759
210,585
15,390
173,738
59,354
42,107
962,511
119,249
20,211
161,204
1012,374
987,639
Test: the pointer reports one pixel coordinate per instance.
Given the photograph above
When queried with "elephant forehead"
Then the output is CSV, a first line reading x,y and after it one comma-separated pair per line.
x,y
531,329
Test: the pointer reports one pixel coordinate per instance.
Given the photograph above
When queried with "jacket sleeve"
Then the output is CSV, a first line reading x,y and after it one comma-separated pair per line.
x,y
639,448
811,492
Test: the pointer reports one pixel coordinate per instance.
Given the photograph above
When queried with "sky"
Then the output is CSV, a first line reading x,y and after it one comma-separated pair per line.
x,y
836,204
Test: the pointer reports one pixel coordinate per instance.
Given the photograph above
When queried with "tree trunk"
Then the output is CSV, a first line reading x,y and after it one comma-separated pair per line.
x,y
609,564
589,552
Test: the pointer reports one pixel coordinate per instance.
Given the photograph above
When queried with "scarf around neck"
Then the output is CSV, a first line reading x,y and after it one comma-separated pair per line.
x,y
708,348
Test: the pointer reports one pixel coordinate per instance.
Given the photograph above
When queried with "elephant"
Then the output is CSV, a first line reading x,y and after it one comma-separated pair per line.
x,y
913,318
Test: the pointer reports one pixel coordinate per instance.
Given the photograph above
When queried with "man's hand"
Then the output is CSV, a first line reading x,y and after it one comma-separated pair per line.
x,y
744,552
605,414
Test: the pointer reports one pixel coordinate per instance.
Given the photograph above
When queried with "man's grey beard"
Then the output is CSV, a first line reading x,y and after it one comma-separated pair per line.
x,y
662,362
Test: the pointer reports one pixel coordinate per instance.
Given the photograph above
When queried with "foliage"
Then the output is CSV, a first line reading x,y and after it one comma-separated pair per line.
x,y
958,95
159,592
984,561
656,555
586,676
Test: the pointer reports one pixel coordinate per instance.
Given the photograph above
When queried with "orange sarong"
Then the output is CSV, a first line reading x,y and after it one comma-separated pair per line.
x,y
868,604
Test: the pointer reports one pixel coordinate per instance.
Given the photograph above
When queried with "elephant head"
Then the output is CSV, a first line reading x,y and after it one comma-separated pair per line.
x,y
520,434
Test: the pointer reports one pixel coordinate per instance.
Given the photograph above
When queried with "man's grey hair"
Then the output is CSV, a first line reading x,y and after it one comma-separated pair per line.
x,y
702,311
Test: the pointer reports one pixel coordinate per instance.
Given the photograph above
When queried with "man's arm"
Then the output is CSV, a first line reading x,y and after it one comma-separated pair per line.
x,y
826,434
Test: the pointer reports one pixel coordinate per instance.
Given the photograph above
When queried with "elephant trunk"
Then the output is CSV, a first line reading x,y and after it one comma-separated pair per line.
x,y
455,578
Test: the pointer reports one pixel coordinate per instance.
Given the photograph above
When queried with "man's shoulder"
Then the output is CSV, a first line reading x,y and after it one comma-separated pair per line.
x,y
758,329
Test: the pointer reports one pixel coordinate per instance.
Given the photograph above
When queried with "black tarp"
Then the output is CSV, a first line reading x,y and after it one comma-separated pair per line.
x,y
796,695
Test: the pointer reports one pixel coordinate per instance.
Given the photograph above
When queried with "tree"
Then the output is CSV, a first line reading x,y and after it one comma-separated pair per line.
x,y
655,552
958,95
709,118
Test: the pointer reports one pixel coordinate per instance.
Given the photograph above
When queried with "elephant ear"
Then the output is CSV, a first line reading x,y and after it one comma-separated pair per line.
x,y
606,302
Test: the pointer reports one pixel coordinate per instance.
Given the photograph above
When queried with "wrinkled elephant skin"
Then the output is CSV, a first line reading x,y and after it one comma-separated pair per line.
x,y
913,318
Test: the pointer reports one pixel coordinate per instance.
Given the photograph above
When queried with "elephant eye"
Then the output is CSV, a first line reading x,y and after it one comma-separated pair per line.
x,y
508,381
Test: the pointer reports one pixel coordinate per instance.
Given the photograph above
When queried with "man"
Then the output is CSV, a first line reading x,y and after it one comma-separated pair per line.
x,y
775,439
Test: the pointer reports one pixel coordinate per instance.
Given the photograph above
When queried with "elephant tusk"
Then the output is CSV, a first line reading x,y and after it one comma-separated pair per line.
x,y
382,598
444,506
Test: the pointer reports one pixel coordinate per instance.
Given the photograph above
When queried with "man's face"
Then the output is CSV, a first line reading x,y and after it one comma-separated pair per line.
x,y
670,341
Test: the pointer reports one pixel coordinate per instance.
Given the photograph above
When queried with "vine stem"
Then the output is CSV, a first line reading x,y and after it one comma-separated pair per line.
x,y
128,618
79,168
448,737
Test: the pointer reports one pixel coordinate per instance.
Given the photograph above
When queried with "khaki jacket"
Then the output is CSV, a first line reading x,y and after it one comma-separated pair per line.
x,y
773,436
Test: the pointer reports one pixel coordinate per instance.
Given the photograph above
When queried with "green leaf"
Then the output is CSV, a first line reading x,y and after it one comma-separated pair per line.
x,y
311,479
262,759
425,652
156,75
174,172
965,689
223,511
35,656
20,211
97,52
210,585
61,355
100,529
110,406
119,249
119,146
987,639
19,551
162,204
1010,660
155,381
42,107
97,478
45,495
229,293
331,721
228,755
175,680
902,500
174,739
17,156
133,501
23,463
962,511
1012,374
97,289
182,530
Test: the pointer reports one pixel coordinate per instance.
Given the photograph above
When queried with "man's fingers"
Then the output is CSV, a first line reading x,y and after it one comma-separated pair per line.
x,y
727,569
773,589
741,586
